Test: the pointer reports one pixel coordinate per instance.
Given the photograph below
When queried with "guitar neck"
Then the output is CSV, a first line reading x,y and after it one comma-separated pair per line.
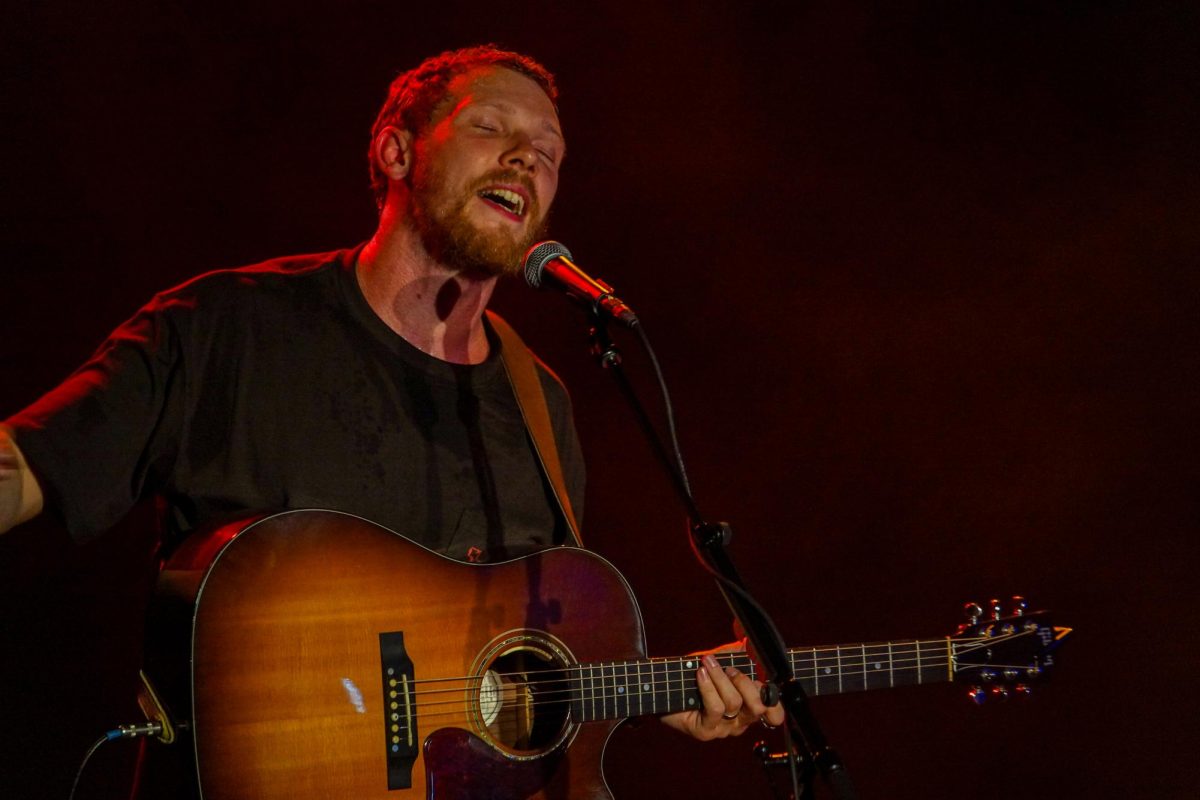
x,y
620,689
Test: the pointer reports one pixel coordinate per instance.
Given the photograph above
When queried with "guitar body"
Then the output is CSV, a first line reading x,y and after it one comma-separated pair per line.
x,y
298,618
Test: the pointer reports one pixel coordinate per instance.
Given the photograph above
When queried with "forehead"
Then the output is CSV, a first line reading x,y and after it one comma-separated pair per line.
x,y
508,91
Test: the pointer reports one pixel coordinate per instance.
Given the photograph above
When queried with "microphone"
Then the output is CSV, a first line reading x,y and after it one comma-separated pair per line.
x,y
551,261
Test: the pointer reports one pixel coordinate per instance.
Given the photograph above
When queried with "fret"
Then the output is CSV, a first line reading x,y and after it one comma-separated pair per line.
x,y
864,666
575,684
641,694
587,700
687,678
609,688
593,690
584,716
838,652
740,661
653,689
891,667
684,668
657,683
661,681
874,658
909,669
623,690
830,661
611,691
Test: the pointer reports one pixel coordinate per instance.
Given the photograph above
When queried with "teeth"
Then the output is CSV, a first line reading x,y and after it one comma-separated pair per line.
x,y
514,201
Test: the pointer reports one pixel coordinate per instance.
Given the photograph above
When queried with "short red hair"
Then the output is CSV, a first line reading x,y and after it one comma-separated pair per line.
x,y
415,95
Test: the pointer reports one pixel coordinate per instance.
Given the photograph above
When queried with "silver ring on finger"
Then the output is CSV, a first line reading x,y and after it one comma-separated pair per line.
x,y
766,724
730,717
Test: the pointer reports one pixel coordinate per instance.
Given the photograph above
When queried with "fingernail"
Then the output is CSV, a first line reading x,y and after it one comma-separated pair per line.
x,y
710,662
731,672
702,676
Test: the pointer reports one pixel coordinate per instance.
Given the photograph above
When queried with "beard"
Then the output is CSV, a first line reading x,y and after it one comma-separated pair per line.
x,y
454,241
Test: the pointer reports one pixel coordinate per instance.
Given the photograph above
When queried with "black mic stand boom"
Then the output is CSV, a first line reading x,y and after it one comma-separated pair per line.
x,y
709,542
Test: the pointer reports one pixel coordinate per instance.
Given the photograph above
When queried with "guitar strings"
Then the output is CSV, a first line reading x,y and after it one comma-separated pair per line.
x,y
799,659
606,693
548,696
468,708
934,661
796,657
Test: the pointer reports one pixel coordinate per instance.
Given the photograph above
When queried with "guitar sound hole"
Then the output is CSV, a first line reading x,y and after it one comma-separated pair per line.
x,y
524,701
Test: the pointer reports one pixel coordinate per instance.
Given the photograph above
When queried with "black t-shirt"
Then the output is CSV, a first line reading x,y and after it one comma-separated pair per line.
x,y
276,386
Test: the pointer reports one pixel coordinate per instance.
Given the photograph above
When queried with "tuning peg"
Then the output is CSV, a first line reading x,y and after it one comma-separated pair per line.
x,y
996,608
977,695
1019,606
973,611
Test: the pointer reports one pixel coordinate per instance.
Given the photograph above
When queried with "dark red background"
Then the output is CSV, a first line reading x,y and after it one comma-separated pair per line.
x,y
923,282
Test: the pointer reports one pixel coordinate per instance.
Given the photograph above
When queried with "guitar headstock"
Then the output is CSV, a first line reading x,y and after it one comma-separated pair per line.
x,y
1002,655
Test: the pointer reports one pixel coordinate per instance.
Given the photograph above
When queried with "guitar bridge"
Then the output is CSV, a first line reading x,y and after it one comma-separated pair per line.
x,y
400,710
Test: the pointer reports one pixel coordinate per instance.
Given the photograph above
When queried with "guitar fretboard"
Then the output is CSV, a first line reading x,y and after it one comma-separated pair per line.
x,y
619,689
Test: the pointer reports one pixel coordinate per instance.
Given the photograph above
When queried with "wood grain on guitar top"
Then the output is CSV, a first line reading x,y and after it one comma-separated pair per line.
x,y
288,692
332,658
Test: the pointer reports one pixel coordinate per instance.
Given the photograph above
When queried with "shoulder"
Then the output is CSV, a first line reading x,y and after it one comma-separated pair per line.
x,y
255,283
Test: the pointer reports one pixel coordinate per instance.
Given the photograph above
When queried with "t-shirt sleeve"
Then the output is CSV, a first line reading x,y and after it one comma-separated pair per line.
x,y
105,435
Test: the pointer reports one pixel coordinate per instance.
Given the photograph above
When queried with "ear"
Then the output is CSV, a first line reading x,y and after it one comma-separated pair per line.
x,y
393,151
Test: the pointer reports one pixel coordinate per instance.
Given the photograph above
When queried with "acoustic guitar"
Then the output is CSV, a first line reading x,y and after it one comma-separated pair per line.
x,y
328,657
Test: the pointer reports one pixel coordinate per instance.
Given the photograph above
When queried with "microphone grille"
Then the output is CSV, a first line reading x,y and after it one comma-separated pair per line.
x,y
538,256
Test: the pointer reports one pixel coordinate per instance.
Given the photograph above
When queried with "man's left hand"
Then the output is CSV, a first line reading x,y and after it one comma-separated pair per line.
x,y
732,702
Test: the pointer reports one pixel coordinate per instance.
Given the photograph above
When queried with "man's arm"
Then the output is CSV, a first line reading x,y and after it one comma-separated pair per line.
x,y
20,493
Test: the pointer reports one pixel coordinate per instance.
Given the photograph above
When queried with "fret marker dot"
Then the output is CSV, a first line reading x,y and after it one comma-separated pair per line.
x,y
645,687
877,666
691,701
828,670
689,665
620,690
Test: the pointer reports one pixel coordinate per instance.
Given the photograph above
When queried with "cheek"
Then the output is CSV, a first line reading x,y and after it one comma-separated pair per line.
x,y
547,189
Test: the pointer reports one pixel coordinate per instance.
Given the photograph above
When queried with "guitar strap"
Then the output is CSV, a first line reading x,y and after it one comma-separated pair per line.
x,y
527,386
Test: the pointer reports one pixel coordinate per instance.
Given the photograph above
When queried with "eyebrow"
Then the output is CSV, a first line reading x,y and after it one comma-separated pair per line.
x,y
547,125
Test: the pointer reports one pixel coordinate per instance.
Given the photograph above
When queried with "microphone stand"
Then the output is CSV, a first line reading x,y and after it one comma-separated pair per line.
x,y
709,541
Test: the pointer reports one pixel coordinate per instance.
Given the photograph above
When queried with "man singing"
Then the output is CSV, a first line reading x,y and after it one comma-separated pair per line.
x,y
367,380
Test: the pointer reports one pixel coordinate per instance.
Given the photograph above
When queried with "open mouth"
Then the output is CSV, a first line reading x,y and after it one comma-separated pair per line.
x,y
505,199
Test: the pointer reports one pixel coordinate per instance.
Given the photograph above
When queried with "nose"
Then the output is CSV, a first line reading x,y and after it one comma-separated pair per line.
x,y
520,154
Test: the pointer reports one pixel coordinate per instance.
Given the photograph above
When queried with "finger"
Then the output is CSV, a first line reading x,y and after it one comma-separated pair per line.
x,y
751,691
722,681
708,720
771,715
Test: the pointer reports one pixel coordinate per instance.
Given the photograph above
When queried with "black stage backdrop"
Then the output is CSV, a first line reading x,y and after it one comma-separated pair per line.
x,y
922,280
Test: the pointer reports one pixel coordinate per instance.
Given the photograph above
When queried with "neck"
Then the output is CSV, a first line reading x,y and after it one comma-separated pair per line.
x,y
436,309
